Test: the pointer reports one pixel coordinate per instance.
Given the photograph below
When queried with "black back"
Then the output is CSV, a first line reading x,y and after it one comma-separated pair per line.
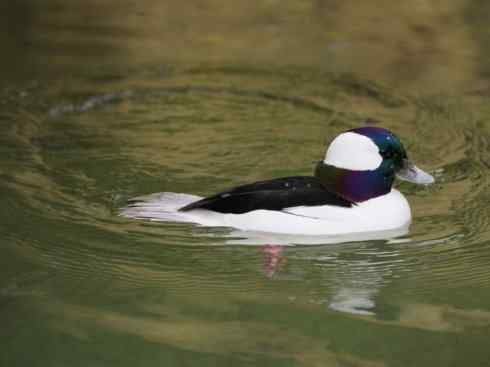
x,y
275,194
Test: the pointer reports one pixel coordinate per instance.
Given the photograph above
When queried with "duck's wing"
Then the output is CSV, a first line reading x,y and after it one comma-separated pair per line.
x,y
275,194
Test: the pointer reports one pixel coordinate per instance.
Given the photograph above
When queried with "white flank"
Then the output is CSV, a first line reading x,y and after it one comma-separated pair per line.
x,y
384,213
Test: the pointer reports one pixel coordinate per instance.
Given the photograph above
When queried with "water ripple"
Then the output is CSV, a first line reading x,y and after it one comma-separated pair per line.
x,y
199,131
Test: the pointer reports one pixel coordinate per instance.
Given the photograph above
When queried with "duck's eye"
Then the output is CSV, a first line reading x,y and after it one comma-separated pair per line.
x,y
388,153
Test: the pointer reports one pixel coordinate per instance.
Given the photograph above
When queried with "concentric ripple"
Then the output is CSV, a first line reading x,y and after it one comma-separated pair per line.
x,y
69,163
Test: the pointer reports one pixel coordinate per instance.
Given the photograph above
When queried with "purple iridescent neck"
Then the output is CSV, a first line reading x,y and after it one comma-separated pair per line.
x,y
355,186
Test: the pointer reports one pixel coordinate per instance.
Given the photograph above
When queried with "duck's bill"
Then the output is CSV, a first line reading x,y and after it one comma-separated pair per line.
x,y
411,173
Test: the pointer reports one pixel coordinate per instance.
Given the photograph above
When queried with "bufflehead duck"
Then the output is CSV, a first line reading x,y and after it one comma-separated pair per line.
x,y
350,192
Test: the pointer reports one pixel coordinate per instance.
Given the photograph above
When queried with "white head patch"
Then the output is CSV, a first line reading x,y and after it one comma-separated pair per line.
x,y
353,151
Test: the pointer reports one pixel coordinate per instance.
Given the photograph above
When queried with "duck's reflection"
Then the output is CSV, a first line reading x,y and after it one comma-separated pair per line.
x,y
358,283
353,274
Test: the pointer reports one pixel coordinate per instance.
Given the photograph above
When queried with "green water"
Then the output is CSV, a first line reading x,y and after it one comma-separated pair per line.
x,y
104,101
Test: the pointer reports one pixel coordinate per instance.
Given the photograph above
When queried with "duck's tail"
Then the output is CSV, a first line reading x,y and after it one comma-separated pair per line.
x,y
162,206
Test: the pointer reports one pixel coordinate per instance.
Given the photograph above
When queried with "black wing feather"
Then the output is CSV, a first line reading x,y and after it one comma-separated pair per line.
x,y
275,194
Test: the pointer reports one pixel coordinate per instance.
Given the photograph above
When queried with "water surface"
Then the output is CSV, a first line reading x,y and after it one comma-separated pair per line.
x,y
103,102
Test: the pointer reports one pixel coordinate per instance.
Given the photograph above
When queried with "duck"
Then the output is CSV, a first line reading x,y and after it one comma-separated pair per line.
x,y
350,192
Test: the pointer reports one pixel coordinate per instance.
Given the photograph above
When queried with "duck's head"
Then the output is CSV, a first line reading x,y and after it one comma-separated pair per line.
x,y
362,163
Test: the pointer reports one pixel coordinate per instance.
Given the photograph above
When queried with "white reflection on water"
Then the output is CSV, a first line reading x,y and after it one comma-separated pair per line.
x,y
359,282
355,294
237,237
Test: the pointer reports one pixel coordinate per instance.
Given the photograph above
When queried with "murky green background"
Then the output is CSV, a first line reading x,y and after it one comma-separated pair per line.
x,y
101,101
